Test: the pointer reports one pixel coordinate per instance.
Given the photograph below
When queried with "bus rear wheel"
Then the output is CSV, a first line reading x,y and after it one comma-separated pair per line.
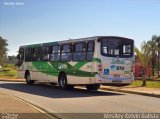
x,y
93,86
63,82
28,79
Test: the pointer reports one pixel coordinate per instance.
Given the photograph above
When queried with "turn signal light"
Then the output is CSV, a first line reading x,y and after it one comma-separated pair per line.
x,y
99,68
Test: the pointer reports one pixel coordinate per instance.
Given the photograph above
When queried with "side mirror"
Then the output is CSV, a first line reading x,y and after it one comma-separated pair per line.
x,y
17,61
98,40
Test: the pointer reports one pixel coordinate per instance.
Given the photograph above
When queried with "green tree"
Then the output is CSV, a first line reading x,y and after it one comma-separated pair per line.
x,y
3,50
145,57
152,45
158,45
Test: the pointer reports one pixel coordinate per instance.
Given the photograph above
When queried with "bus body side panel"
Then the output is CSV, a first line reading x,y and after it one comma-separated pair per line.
x,y
45,72
84,74
21,74
80,80
21,71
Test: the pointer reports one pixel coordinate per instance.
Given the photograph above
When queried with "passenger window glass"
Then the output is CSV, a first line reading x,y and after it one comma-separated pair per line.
x,y
126,49
56,49
55,53
55,57
121,47
90,46
45,53
28,54
79,56
79,53
90,50
36,54
104,50
67,48
45,50
80,47
66,54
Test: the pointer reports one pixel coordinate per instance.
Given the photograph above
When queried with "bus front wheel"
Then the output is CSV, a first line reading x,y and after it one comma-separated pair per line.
x,y
93,86
63,82
28,79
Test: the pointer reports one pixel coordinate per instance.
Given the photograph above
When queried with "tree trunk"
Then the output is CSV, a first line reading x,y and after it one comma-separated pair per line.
x,y
144,78
158,40
158,64
153,65
144,82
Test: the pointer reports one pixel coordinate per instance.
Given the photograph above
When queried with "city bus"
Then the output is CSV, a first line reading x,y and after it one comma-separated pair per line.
x,y
90,61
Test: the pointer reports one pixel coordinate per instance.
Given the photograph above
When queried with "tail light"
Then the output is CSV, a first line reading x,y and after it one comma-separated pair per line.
x,y
99,68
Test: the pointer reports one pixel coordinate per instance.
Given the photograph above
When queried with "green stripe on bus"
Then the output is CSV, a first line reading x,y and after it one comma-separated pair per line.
x,y
52,68
96,60
80,64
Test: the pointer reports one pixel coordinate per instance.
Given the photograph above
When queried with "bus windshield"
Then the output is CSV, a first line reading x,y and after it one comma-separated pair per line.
x,y
120,47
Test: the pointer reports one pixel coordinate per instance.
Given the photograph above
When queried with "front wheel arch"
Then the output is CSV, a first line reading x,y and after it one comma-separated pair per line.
x,y
28,78
62,80
26,73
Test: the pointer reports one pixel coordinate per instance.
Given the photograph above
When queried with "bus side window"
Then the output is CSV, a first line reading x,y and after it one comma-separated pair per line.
x,y
28,54
90,50
36,54
66,52
55,53
45,53
79,53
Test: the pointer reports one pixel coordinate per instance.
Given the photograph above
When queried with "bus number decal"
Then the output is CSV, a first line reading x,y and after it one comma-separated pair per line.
x,y
120,68
62,66
113,67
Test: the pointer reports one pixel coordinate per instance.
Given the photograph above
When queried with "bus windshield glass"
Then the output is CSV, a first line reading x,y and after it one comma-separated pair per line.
x,y
120,47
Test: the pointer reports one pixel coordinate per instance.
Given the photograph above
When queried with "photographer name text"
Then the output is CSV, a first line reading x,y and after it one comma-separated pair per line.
x,y
13,3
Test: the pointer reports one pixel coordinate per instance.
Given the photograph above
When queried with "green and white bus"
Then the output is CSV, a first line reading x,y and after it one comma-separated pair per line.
x,y
87,61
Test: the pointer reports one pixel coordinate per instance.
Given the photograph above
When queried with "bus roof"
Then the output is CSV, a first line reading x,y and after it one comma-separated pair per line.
x,y
71,40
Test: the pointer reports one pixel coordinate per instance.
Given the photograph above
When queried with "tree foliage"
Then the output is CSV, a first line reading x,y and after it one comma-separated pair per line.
x,y
145,57
153,46
148,54
3,50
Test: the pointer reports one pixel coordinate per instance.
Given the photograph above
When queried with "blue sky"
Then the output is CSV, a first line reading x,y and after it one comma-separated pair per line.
x,y
37,21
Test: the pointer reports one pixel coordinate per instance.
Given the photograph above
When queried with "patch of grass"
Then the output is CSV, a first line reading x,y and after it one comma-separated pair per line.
x,y
149,84
9,71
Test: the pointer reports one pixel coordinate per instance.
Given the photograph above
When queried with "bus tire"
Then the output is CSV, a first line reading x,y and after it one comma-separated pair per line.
x,y
53,84
93,86
70,87
28,79
63,82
